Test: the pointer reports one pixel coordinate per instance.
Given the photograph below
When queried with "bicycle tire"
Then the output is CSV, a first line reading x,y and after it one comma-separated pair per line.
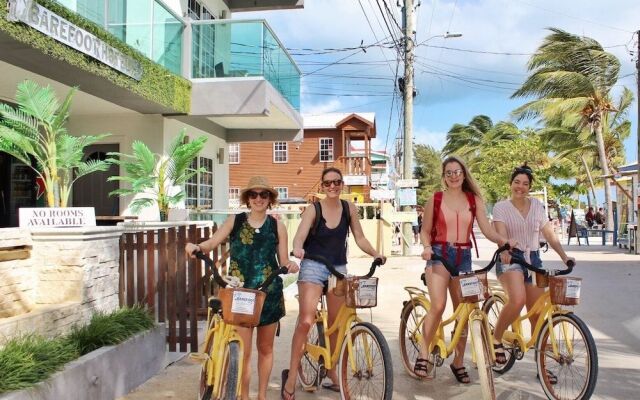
x,y
205,391
480,339
230,371
492,308
309,371
410,334
565,368
358,385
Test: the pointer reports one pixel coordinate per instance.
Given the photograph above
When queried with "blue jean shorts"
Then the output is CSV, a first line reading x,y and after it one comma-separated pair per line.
x,y
316,272
534,260
452,256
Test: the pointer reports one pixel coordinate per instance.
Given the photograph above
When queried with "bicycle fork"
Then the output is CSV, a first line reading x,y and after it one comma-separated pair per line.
x,y
477,315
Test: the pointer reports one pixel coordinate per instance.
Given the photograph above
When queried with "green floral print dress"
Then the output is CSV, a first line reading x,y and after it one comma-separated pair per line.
x,y
253,258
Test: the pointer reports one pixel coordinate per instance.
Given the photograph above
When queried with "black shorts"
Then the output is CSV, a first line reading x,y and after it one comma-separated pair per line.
x,y
416,229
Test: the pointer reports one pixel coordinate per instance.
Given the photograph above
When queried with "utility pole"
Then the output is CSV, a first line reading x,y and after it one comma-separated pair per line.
x,y
407,153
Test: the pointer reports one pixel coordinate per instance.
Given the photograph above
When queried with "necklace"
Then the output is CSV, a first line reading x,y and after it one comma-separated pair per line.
x,y
523,208
257,230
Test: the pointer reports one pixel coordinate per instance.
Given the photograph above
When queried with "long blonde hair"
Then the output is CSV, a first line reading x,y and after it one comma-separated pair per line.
x,y
469,184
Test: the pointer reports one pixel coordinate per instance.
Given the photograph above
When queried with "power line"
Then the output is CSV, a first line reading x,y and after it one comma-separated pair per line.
x,y
476,51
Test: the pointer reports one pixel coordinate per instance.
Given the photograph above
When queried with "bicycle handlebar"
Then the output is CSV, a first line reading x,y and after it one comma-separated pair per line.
x,y
375,264
519,259
220,281
454,271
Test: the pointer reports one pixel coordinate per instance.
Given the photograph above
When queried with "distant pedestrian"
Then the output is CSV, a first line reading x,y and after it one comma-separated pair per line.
x,y
600,217
590,217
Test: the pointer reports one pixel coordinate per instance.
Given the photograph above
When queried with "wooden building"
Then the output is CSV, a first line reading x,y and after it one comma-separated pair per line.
x,y
341,140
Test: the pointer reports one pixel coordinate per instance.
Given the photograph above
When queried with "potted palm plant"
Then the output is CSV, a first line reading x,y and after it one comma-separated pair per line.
x,y
154,178
35,131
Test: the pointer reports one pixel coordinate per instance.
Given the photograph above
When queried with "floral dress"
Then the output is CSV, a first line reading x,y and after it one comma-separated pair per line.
x,y
253,258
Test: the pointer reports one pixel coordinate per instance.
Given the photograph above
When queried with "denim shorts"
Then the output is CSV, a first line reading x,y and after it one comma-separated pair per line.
x,y
534,260
452,256
316,272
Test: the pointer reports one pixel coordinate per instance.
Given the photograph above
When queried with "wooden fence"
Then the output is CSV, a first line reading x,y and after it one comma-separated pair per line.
x,y
155,271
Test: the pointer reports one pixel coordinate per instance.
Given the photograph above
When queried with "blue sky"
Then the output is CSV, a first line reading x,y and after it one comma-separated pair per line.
x,y
456,78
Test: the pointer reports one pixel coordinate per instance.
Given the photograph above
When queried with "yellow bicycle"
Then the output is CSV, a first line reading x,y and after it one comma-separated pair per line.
x,y
222,354
361,354
565,352
472,289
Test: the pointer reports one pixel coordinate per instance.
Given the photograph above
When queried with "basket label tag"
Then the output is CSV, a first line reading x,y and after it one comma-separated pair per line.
x,y
573,289
470,286
367,290
243,302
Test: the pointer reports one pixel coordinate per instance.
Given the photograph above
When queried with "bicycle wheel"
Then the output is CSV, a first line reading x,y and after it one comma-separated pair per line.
x,y
310,369
413,313
480,340
492,307
373,374
205,389
575,367
230,372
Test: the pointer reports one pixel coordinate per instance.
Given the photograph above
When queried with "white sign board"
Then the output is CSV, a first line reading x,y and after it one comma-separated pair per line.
x,y
407,197
51,217
382,194
53,25
407,183
351,180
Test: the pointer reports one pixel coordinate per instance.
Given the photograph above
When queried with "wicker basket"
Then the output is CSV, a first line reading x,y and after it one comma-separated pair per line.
x,y
361,292
470,288
242,306
337,285
565,290
541,280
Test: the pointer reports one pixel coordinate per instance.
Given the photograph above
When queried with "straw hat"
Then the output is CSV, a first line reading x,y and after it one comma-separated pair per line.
x,y
258,182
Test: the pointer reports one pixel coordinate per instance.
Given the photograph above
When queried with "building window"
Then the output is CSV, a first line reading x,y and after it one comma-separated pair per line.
x,y
326,149
199,188
280,154
234,193
234,153
283,192
198,11
205,195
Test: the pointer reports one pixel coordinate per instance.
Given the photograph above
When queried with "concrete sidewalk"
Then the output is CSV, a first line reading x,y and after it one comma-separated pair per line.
x,y
608,272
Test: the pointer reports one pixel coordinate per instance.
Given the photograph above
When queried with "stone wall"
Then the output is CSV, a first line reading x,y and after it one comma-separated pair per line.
x,y
72,273
17,276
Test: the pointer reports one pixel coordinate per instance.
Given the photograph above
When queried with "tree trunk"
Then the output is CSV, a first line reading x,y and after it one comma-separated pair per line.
x,y
605,171
591,185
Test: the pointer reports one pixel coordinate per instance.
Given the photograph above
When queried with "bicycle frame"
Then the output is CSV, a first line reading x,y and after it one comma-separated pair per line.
x,y
465,312
545,311
345,318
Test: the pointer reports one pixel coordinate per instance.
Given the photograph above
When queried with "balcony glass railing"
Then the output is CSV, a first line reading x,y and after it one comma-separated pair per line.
x,y
145,25
244,49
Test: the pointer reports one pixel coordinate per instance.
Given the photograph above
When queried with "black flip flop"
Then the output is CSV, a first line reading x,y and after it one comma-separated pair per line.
x,y
331,386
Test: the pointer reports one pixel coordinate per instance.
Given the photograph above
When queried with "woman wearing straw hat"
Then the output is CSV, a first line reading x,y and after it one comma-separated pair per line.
x,y
255,239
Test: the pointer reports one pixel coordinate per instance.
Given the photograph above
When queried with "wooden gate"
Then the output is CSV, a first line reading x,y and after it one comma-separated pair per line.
x,y
155,271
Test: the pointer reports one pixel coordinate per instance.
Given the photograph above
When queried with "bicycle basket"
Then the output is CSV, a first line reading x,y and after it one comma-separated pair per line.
x,y
337,285
470,288
565,290
541,280
361,292
242,306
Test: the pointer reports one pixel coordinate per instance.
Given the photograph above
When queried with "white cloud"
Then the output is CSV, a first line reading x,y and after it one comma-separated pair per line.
x,y
322,107
436,140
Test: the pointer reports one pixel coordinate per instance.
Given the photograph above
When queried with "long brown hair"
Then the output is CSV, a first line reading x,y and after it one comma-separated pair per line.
x,y
469,184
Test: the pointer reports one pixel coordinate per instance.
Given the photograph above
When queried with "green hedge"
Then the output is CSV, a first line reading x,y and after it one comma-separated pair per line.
x,y
157,84
27,360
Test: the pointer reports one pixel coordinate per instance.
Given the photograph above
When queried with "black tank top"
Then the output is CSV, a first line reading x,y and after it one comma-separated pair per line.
x,y
330,243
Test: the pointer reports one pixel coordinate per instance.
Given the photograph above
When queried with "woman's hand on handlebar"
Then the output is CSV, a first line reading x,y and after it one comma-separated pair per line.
x,y
427,252
292,267
298,253
505,257
191,249
569,261
379,256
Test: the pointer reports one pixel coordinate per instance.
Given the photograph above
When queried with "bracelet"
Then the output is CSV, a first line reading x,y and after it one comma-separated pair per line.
x,y
426,246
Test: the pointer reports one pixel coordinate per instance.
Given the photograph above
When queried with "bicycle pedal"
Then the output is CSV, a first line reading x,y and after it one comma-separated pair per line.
x,y
201,357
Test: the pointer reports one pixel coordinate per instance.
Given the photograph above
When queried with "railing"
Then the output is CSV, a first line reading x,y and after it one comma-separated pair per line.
x,y
355,165
225,48
155,271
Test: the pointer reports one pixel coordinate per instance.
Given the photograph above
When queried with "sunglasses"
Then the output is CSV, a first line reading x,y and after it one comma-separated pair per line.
x,y
522,170
335,182
253,195
455,172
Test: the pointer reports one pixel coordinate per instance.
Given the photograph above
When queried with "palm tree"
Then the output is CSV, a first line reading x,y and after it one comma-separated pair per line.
x,y
465,140
157,178
572,77
35,131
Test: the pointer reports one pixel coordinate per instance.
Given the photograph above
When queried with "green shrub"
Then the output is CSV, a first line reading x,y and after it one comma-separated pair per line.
x,y
27,360
109,329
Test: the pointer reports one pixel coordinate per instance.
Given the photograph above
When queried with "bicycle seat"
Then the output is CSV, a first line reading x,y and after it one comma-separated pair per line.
x,y
215,304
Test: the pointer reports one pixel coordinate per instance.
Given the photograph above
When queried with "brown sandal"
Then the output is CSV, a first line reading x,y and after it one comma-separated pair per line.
x,y
461,374
501,355
423,367
284,394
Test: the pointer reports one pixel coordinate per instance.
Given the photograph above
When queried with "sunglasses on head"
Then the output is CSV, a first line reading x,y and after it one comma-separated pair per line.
x,y
522,170
253,195
335,182
455,172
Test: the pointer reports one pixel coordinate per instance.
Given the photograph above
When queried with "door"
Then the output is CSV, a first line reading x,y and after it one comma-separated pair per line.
x,y
93,190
